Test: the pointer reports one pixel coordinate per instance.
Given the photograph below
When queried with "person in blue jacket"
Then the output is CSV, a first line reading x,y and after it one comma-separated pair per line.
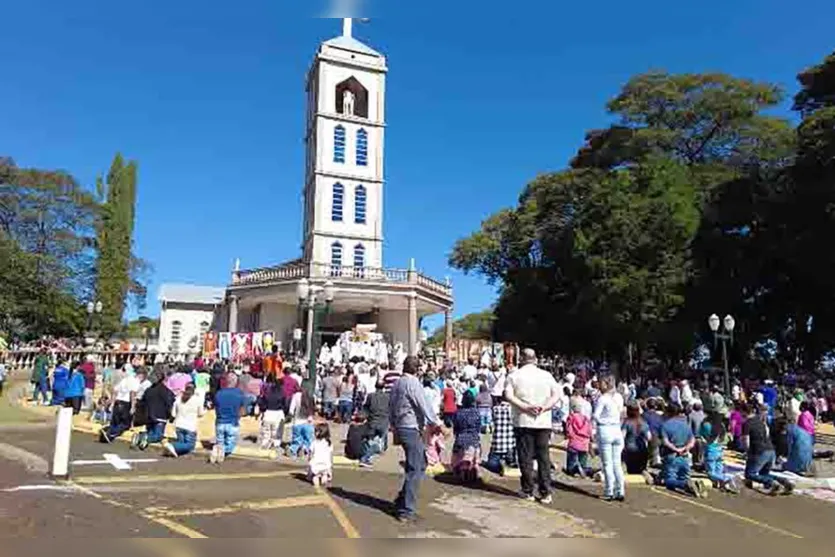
x,y
60,382
74,393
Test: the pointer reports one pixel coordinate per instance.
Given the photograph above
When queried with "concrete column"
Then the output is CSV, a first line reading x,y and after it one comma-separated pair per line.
x,y
448,331
413,324
233,314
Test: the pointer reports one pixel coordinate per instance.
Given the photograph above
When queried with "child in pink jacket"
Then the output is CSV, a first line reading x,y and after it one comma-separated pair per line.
x,y
578,429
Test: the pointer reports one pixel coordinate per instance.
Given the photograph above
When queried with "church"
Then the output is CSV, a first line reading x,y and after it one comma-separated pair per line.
x,y
342,247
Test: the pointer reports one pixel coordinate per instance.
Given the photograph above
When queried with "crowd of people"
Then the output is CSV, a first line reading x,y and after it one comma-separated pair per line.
x,y
662,430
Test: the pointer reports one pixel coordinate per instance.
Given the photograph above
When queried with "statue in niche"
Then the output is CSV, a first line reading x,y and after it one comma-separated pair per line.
x,y
348,103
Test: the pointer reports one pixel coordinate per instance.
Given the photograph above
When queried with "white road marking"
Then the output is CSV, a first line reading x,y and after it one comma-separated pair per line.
x,y
115,461
45,487
128,461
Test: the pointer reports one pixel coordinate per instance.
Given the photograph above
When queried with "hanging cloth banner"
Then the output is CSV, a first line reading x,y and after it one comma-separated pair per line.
x,y
225,346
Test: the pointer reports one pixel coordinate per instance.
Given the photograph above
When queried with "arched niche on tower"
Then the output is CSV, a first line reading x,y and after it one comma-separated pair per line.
x,y
352,98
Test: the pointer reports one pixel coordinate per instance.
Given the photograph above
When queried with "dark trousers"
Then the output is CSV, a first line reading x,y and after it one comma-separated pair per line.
x,y
121,420
534,444
74,403
415,467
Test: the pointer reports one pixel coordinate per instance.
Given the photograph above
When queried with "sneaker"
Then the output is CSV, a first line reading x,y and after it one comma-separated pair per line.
x,y
104,436
697,488
213,455
221,455
407,518
134,441
788,488
547,500
169,448
648,477
620,498
775,489
363,464
607,498
527,497
732,486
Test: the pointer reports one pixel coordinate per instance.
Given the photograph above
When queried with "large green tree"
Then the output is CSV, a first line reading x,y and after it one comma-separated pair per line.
x,y
601,257
46,249
115,261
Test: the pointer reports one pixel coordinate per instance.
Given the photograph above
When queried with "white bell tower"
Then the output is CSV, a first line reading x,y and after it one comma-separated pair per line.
x,y
343,191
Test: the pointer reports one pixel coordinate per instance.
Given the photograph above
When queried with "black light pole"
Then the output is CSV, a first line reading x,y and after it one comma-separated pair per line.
x,y
726,337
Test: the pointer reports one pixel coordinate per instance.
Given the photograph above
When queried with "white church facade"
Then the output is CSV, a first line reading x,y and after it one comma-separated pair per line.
x,y
343,217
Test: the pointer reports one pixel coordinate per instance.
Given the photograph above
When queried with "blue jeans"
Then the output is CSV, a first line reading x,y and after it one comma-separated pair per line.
x,y
497,461
676,472
250,401
154,432
346,409
302,439
574,461
758,468
415,468
329,409
715,464
371,448
610,444
186,441
227,437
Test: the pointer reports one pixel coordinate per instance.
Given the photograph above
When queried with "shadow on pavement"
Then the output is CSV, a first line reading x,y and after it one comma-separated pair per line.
x,y
365,500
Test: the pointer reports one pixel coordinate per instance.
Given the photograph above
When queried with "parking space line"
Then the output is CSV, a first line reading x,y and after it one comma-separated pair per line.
x,y
269,504
730,514
340,516
175,527
165,478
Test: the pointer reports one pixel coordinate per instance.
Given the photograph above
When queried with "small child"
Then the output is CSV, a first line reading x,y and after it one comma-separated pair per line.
x,y
578,431
434,441
320,466
101,412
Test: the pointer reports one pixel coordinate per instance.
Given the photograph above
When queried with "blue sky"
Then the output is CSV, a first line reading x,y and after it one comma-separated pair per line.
x,y
209,97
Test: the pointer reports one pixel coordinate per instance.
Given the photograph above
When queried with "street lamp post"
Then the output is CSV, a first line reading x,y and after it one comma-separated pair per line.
x,y
93,308
726,337
316,300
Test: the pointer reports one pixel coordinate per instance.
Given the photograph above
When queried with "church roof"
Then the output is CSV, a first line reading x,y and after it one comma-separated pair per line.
x,y
191,294
350,43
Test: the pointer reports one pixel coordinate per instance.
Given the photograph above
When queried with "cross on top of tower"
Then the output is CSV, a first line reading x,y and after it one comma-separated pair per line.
x,y
348,25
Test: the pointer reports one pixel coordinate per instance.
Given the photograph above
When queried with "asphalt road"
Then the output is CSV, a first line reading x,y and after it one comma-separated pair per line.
x,y
189,498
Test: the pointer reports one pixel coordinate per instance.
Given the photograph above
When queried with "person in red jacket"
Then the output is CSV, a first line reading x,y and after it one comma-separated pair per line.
x,y
578,430
449,404
88,369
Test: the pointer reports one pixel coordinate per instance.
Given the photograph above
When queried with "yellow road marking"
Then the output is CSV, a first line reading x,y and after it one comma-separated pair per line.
x,y
165,547
339,514
163,478
175,527
730,514
270,504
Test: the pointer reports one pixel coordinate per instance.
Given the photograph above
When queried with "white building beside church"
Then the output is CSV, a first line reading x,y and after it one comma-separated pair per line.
x,y
187,312
343,216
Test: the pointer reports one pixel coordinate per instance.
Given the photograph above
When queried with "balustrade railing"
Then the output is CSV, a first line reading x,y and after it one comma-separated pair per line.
x,y
326,270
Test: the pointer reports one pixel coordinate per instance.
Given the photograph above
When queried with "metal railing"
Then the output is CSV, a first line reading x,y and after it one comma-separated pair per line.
x,y
327,270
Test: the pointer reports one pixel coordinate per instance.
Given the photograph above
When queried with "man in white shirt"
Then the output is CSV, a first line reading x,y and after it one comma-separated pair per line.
x,y
124,406
533,392
469,371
